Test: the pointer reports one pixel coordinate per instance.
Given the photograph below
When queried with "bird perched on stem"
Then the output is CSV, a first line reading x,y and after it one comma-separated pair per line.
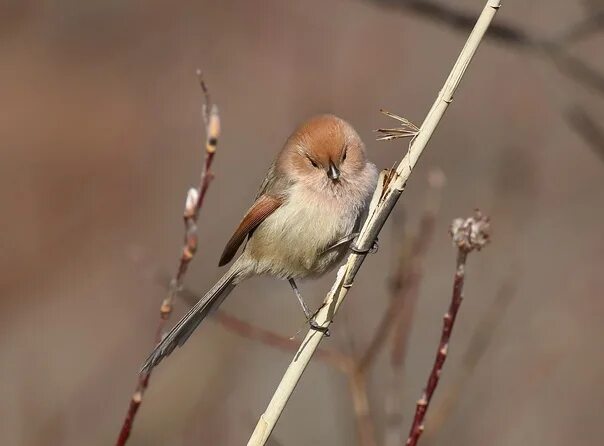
x,y
306,214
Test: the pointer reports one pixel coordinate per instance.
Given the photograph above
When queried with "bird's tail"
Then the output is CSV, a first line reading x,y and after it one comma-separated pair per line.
x,y
179,334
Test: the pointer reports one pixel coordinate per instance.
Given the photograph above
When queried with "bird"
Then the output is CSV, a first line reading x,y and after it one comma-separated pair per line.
x,y
306,214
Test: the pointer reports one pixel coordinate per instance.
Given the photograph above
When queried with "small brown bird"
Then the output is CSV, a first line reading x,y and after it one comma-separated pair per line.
x,y
305,215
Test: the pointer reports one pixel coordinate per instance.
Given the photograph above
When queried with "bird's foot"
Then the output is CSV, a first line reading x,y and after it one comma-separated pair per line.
x,y
314,325
374,248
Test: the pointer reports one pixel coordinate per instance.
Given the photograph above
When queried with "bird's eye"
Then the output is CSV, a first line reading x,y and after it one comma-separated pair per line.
x,y
312,162
344,156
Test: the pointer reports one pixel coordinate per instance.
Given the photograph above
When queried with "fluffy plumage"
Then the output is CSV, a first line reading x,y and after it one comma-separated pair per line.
x,y
315,194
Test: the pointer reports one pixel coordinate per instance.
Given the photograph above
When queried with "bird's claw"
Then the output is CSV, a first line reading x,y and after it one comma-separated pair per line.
x,y
315,326
374,247
372,250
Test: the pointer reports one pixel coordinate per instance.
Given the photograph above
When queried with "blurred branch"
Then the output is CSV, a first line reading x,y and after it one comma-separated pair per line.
x,y
244,329
582,123
468,235
270,338
406,286
357,384
388,191
459,20
592,6
193,204
507,34
574,68
409,275
342,362
405,292
479,343
593,23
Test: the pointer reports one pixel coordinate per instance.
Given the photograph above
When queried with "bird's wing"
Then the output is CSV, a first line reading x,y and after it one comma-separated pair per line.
x,y
264,206
269,197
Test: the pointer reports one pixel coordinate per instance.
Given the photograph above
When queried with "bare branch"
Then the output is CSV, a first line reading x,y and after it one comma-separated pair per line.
x,y
468,235
405,291
593,23
587,128
479,343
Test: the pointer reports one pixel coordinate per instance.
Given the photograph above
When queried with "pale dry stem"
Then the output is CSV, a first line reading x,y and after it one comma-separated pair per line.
x,y
383,202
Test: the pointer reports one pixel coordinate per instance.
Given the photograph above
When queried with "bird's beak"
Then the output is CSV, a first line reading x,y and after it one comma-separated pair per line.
x,y
333,173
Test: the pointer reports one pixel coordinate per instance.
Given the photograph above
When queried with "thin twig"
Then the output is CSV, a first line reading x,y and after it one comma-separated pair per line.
x,y
193,204
468,235
384,199
479,342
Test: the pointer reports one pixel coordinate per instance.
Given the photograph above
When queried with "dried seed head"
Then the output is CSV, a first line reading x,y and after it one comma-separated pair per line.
x,y
406,130
472,233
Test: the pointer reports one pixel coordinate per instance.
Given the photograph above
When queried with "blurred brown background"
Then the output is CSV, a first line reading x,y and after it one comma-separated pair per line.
x,y
102,135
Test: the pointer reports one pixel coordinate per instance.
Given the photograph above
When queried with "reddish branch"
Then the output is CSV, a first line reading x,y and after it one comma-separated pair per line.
x,y
193,204
479,342
468,235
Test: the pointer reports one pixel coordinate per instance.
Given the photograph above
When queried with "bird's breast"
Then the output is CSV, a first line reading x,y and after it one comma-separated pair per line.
x,y
292,241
